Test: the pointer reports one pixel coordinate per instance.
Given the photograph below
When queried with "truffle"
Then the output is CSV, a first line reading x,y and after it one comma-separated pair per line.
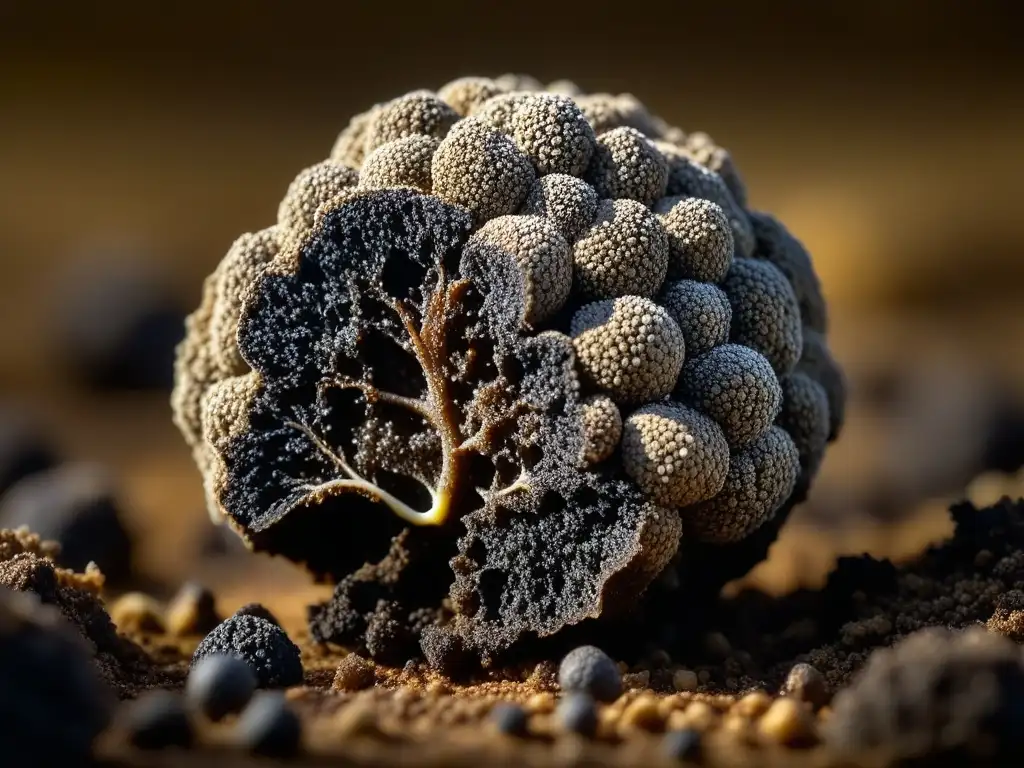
x,y
569,203
466,94
158,720
578,714
591,671
419,113
403,162
313,187
269,727
220,685
702,312
602,428
626,165
700,242
265,647
553,133
509,719
765,315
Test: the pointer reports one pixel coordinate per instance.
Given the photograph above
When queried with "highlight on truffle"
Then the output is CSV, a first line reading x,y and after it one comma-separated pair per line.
x,y
499,355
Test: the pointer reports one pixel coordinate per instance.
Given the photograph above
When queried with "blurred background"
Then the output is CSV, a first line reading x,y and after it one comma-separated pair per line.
x,y
138,140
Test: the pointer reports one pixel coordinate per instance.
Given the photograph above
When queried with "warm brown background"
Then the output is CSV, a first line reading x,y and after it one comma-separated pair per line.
x,y
887,135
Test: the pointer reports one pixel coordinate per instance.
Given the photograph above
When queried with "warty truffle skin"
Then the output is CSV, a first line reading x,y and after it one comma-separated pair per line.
x,y
602,428
677,455
629,348
466,94
553,133
419,113
736,386
776,245
404,162
804,415
626,165
624,252
589,670
570,203
702,312
700,241
312,188
765,315
265,647
817,362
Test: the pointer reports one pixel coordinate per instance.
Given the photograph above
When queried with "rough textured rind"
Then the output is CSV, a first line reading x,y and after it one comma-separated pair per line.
x,y
420,113
761,476
482,170
541,252
626,165
403,162
937,695
312,188
607,112
467,94
776,245
602,428
765,315
817,362
624,252
265,647
705,151
702,312
553,133
804,415
629,348
736,386
570,203
350,146
676,455
700,241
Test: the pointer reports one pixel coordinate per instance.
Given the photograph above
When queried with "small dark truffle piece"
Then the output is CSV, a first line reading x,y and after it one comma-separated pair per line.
x,y
193,611
265,647
76,506
354,673
577,713
269,727
53,703
509,719
158,720
684,744
220,685
260,611
590,670
24,449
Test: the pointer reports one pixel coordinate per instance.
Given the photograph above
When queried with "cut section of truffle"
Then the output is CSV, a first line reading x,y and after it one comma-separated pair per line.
x,y
735,386
702,312
629,348
678,456
700,242
624,252
761,477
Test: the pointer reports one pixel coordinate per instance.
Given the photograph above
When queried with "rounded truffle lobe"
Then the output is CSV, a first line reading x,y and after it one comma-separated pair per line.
x,y
624,252
735,386
705,151
350,146
629,348
570,203
805,417
541,252
765,315
606,112
602,428
818,363
481,170
517,81
659,542
589,670
700,241
677,455
776,245
687,178
702,312
400,163
244,262
312,188
467,94
761,477
265,647
564,87
626,165
419,113
553,133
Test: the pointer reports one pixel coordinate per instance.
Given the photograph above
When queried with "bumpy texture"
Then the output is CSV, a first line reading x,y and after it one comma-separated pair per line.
x,y
412,383
937,695
264,646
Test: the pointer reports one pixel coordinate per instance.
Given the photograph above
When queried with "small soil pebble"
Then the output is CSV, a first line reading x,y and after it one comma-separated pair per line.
x,y
269,727
685,680
220,685
264,646
590,670
192,611
354,673
74,505
509,719
53,703
259,610
116,325
577,713
24,449
684,744
158,720
805,683
137,612
788,722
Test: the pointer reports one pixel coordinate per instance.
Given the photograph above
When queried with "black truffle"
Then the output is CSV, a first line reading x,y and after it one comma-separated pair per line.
x,y
590,670
509,719
578,714
265,647
220,685
269,727
158,720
